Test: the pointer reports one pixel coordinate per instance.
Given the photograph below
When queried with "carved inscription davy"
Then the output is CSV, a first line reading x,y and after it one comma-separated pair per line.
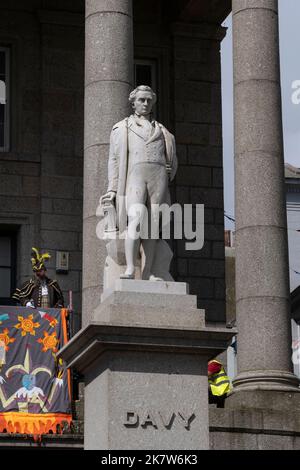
x,y
158,419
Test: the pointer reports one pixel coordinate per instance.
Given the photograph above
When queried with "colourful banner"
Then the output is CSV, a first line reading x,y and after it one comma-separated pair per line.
x,y
35,394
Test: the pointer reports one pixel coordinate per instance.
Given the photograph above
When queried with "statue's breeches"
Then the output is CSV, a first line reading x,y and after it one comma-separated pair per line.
x,y
147,183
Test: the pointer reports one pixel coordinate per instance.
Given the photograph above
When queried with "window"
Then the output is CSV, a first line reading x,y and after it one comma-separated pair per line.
x,y
145,73
4,98
7,267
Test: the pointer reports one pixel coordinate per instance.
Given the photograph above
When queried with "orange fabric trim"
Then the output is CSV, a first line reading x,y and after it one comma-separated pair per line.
x,y
64,314
29,423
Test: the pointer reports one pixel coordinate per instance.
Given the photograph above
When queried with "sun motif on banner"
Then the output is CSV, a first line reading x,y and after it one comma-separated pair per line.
x,y
4,338
49,342
27,325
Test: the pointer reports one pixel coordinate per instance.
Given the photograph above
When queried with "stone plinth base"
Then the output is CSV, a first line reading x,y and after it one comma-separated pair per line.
x,y
259,419
144,358
272,380
146,303
147,287
264,399
256,420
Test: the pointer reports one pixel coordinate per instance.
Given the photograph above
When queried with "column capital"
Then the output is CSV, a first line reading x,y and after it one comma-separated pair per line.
x,y
101,7
242,5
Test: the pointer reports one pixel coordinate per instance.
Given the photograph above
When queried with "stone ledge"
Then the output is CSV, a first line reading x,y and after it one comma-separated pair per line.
x,y
150,309
126,314
264,400
61,18
254,429
96,338
56,441
149,299
254,421
203,30
149,287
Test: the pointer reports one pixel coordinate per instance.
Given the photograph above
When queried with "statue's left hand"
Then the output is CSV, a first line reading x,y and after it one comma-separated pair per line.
x,y
170,173
108,197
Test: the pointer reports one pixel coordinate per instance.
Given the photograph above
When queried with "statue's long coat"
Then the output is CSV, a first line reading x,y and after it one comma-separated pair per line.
x,y
118,160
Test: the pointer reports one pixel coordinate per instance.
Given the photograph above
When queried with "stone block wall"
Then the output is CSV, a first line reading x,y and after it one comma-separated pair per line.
x,y
20,166
62,69
254,428
189,91
41,175
197,121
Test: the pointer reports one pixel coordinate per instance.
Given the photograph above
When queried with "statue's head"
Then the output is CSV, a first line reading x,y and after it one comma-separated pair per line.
x,y
142,100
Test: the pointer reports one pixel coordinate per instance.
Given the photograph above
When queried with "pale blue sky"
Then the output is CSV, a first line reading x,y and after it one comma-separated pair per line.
x,y
289,16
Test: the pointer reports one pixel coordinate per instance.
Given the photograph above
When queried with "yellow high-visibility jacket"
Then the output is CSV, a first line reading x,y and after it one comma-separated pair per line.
x,y
219,382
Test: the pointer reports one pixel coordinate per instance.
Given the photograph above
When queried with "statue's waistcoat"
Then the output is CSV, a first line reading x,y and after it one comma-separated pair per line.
x,y
144,147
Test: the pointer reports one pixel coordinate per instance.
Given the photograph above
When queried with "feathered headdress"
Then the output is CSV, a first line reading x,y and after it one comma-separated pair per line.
x,y
38,260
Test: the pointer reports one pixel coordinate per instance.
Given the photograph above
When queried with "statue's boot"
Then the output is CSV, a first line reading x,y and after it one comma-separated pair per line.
x,y
129,274
126,276
152,277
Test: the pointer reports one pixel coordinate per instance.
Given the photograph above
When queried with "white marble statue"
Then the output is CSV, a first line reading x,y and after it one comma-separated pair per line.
x,y
142,161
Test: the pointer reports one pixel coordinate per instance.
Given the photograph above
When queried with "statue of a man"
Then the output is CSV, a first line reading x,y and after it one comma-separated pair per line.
x,y
142,161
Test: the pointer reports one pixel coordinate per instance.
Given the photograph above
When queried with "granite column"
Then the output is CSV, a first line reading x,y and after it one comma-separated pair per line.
x,y
262,268
108,82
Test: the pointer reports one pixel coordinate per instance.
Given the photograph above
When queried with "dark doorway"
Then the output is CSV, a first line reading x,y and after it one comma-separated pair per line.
x,y
8,261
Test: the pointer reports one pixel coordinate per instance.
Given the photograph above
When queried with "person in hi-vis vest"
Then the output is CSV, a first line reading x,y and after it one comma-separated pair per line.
x,y
219,383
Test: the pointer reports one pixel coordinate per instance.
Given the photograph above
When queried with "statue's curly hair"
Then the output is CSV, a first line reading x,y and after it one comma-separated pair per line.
x,y
133,94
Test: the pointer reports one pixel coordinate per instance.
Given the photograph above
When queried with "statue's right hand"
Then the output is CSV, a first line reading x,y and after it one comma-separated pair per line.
x,y
108,197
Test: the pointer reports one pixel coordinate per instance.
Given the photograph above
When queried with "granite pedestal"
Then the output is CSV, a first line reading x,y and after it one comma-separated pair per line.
x,y
144,358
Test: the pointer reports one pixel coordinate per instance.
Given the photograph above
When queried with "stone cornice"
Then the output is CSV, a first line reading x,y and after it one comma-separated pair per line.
x,y
61,17
96,338
199,30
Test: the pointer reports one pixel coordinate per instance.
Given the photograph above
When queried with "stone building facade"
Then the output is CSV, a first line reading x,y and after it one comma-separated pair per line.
x,y
42,163
41,166
43,76
68,69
